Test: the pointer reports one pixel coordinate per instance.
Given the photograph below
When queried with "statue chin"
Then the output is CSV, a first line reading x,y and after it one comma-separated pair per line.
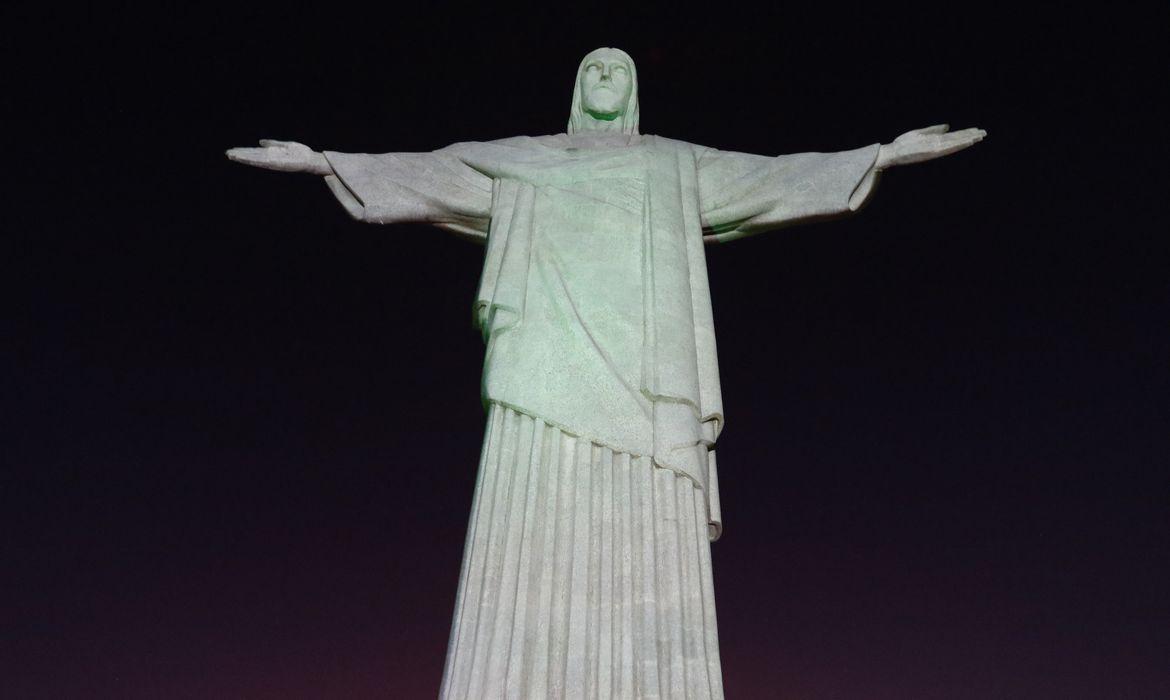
x,y
603,115
605,107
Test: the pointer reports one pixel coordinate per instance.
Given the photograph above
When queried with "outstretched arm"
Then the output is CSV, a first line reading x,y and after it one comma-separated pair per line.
x,y
742,194
434,187
285,156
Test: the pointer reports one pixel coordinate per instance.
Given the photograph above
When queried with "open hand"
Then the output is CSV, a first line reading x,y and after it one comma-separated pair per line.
x,y
925,144
286,156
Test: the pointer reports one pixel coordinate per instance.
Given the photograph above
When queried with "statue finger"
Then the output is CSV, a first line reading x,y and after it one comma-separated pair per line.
x,y
914,134
273,143
934,129
257,157
966,137
249,156
971,133
955,145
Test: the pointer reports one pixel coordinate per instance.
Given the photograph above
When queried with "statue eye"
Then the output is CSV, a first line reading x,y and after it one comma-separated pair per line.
x,y
619,68
592,67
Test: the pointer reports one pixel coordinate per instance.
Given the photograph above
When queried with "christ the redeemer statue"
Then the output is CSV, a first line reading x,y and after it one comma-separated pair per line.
x,y
587,568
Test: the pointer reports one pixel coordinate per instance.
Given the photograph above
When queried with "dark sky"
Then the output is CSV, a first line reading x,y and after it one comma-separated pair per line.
x,y
240,430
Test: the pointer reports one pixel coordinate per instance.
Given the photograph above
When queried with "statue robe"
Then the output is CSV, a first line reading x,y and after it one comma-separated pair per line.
x,y
587,569
594,301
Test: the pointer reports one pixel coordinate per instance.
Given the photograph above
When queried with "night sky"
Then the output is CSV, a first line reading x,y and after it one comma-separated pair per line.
x,y
240,430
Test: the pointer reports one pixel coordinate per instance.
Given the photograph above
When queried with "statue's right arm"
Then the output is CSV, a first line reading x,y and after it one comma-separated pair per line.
x,y
285,156
435,187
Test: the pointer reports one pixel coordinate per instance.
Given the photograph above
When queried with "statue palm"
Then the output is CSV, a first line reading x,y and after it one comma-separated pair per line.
x,y
926,144
285,156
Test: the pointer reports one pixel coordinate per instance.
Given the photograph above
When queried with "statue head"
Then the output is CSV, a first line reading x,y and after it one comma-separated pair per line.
x,y
605,96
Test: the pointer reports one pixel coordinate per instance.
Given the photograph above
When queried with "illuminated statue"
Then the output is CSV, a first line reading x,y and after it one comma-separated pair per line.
x,y
587,569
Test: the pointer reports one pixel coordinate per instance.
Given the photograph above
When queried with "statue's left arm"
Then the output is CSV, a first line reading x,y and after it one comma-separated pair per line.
x,y
743,194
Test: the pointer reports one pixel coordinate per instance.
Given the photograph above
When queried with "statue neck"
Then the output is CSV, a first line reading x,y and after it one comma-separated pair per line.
x,y
591,123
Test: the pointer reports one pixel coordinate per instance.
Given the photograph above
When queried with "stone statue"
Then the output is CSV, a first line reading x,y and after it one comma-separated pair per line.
x,y
587,568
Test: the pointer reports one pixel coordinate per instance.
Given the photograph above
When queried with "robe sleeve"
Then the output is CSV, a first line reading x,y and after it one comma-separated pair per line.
x,y
741,194
433,188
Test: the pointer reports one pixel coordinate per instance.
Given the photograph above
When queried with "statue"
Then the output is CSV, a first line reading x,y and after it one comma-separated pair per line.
x,y
587,568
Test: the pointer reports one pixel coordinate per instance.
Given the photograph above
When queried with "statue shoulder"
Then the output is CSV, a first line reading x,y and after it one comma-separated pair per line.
x,y
511,142
546,141
665,143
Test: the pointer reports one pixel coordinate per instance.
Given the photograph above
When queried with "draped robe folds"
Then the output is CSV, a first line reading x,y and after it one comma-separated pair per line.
x,y
594,301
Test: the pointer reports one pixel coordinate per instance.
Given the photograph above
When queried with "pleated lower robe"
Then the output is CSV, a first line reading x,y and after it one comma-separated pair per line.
x,y
586,574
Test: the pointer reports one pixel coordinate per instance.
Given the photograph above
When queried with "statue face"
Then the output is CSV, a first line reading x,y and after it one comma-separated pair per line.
x,y
605,85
